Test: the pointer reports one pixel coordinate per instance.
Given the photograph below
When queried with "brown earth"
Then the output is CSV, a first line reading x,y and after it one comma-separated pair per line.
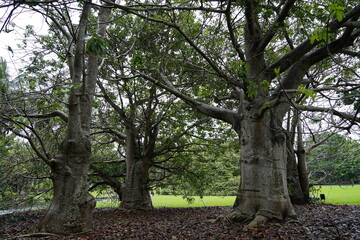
x,y
315,221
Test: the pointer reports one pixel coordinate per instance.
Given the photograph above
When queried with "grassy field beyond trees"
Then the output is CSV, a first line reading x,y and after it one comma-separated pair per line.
x,y
339,194
334,194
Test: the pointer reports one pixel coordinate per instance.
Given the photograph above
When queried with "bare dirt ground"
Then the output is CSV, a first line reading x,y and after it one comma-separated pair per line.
x,y
315,221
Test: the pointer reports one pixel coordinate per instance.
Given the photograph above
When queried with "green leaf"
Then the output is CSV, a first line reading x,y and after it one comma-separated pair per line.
x,y
96,45
357,105
277,71
340,15
337,11
307,92
252,91
41,103
312,39
266,84
320,34
352,98
32,84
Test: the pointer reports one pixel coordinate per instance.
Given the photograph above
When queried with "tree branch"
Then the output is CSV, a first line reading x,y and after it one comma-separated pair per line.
x,y
290,58
350,53
313,146
120,111
355,24
276,24
334,47
232,34
213,65
56,113
328,110
218,113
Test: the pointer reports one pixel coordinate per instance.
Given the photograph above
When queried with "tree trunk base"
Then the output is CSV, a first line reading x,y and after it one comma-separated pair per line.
x,y
254,219
68,217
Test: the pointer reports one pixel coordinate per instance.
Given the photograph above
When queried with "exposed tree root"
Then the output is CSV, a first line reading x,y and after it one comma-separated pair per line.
x,y
259,219
253,220
44,234
31,235
235,216
123,209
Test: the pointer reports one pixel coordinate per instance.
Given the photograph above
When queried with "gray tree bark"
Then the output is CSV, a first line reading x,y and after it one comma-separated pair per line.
x,y
136,193
294,186
302,168
71,208
139,153
293,180
263,193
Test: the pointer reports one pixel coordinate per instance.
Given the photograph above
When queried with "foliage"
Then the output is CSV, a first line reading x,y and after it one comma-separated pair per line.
x,y
24,180
335,161
95,45
352,98
211,169
4,76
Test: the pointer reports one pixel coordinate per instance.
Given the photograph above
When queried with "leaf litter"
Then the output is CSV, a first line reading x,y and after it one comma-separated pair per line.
x,y
315,221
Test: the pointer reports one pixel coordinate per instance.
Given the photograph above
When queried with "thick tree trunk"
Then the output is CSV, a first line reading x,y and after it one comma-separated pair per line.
x,y
72,205
263,193
135,193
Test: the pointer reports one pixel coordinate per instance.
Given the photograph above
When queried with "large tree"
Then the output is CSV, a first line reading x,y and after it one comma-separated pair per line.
x,y
81,46
72,205
336,161
264,53
157,129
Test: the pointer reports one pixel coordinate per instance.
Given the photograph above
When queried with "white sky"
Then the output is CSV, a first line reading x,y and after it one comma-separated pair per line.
x,y
21,18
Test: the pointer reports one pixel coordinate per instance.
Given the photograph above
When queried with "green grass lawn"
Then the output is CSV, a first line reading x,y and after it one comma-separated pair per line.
x,y
334,194
343,194
178,201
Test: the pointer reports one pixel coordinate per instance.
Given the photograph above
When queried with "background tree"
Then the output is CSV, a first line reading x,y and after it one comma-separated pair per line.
x,y
157,130
334,162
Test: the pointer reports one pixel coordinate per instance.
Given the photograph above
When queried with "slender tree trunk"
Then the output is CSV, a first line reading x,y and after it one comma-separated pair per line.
x,y
136,194
302,168
263,193
295,190
294,187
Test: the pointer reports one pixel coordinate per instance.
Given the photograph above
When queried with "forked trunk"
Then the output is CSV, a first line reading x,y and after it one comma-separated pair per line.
x,y
135,193
72,205
263,193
